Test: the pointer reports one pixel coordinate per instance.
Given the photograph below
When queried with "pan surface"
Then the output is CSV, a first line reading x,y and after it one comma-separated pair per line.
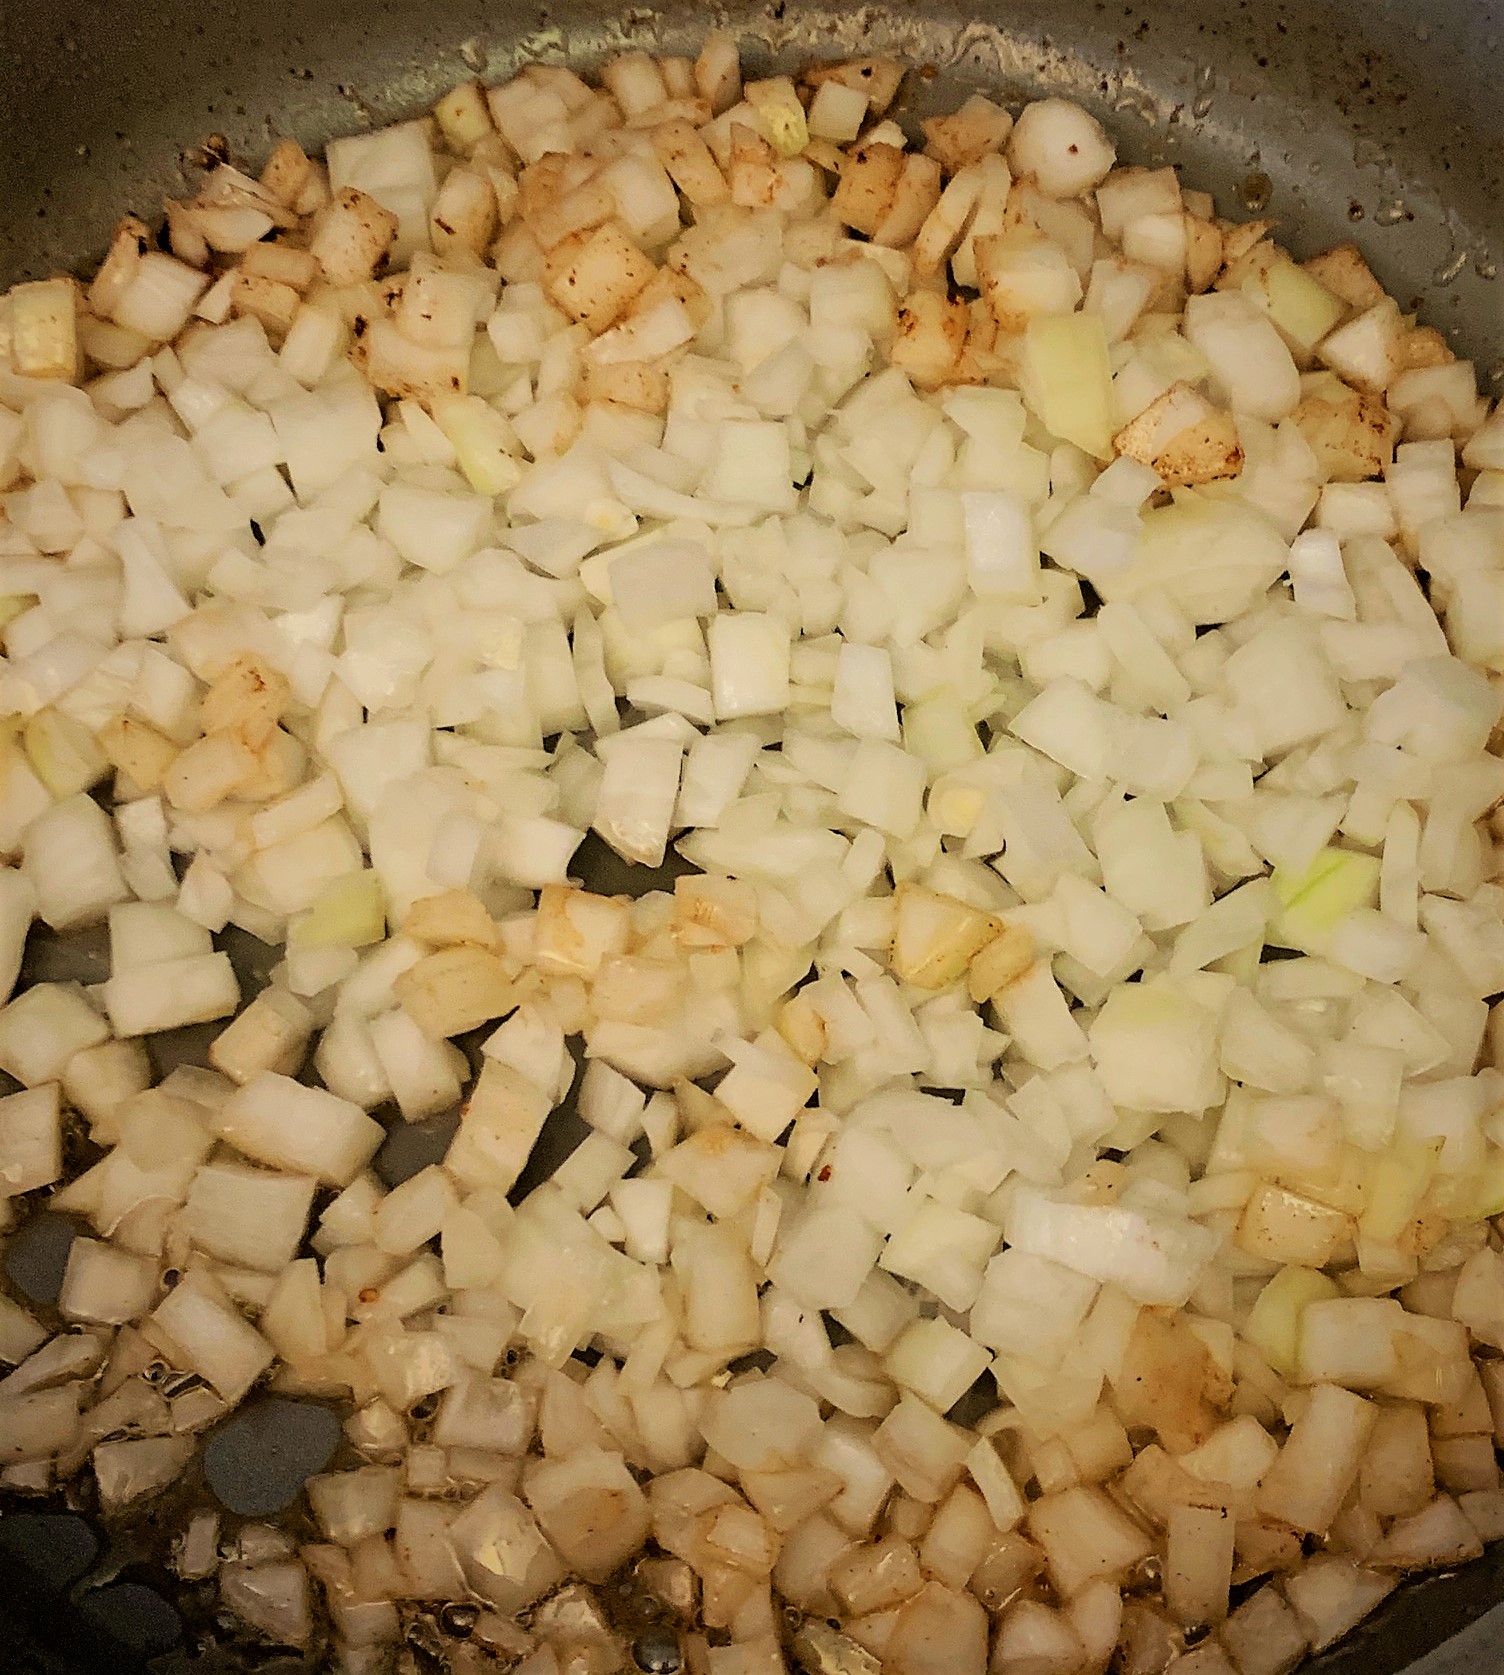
x,y
1384,126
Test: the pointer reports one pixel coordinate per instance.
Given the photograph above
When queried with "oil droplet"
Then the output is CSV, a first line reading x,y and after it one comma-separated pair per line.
x,y
1256,190
459,1620
473,53
1423,31
1388,214
1449,270
657,1652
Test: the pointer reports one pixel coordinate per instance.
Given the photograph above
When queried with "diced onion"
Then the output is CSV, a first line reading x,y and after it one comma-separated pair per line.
x,y
1042,1165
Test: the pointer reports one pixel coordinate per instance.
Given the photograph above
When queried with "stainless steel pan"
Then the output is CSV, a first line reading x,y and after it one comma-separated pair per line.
x,y
1382,123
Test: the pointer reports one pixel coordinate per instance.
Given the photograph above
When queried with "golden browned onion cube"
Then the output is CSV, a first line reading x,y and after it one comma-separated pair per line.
x,y
136,749
1344,272
451,918
965,135
689,163
1001,962
287,172
456,989
869,183
1182,437
931,339
917,193
1239,237
1286,1227
247,698
1203,253
352,236
1351,433
641,386
273,304
595,277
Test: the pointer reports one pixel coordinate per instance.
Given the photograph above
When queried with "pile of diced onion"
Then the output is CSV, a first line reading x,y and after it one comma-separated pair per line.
x,y
1063,635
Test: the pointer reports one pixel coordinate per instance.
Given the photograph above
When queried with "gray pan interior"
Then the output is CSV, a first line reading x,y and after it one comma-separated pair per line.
x,y
1384,124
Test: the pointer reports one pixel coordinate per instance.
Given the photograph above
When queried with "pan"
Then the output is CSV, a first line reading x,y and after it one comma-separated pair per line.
x,y
1382,125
